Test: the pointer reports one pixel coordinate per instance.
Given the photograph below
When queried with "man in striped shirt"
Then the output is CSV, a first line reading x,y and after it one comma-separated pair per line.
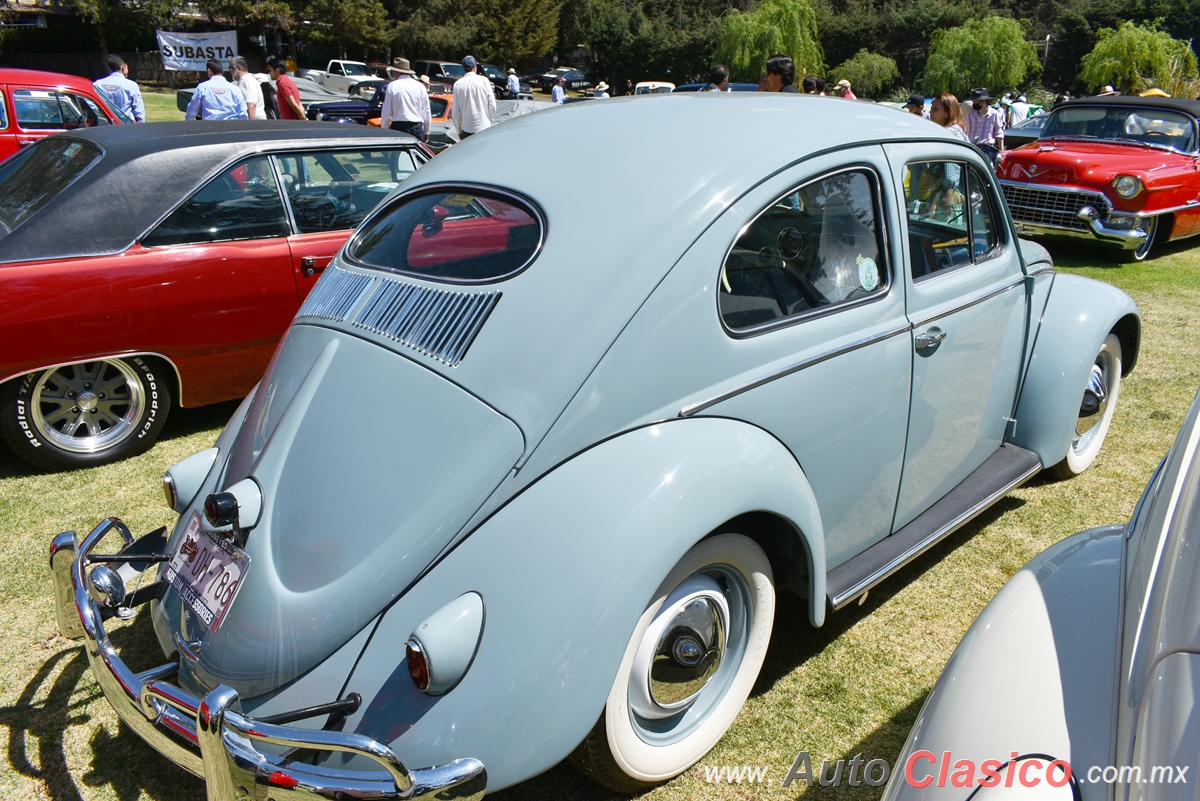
x,y
985,125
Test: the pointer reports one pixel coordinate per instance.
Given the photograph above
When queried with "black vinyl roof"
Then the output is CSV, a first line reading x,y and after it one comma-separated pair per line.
x,y
148,169
1191,107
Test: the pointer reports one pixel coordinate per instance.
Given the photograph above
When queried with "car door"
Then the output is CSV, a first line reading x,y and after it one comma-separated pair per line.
x,y
966,302
812,341
8,133
329,192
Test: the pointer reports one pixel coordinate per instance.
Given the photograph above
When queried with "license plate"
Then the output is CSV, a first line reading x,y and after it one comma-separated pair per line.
x,y
207,571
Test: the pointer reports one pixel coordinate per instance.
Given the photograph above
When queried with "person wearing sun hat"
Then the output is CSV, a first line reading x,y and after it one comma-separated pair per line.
x,y
406,104
514,83
985,125
601,90
842,89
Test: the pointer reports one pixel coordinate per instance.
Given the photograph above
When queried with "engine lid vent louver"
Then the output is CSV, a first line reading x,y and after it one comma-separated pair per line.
x,y
437,323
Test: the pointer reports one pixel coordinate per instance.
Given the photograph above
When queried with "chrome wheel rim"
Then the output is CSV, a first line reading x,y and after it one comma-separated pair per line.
x,y
689,655
1143,249
87,407
1096,398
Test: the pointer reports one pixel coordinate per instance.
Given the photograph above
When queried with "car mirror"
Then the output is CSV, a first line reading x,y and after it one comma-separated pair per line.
x,y
440,213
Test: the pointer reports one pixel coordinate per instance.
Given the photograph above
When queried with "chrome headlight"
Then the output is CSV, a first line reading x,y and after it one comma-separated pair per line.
x,y
1127,186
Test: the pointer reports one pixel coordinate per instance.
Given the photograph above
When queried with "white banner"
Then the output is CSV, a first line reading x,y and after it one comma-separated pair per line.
x,y
190,51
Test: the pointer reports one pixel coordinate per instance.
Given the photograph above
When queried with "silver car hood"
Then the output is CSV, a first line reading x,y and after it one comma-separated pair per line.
x,y
369,465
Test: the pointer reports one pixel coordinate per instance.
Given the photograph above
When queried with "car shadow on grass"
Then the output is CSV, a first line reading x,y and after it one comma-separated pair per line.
x,y
1096,256
59,696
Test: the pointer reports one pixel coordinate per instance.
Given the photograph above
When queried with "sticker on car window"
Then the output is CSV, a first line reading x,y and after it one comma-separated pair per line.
x,y
868,273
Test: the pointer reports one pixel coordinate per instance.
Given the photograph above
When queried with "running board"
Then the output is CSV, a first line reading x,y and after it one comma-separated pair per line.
x,y
1009,467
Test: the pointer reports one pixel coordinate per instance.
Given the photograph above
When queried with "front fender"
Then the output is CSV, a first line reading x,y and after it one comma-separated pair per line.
x,y
1079,314
565,570
1033,675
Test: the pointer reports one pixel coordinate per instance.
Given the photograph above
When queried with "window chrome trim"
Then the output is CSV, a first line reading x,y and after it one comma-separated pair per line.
x,y
986,295
520,201
691,409
881,232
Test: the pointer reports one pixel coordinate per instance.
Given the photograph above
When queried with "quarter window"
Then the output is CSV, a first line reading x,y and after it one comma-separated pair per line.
x,y
335,190
952,218
242,202
813,249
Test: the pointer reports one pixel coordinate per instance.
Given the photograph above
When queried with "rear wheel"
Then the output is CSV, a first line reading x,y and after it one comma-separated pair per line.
x,y
1096,410
85,414
689,666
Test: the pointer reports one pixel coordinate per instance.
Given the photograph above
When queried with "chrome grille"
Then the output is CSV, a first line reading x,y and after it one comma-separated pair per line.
x,y
1053,207
437,323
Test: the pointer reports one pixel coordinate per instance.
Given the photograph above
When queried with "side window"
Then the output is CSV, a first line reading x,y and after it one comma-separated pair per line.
x,y
91,110
814,248
335,190
951,217
240,203
3,112
37,109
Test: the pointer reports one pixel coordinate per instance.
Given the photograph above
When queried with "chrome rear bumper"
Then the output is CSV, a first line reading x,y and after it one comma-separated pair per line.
x,y
208,738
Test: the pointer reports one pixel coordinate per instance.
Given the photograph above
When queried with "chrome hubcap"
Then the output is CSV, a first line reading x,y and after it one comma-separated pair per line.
x,y
1095,399
84,408
681,650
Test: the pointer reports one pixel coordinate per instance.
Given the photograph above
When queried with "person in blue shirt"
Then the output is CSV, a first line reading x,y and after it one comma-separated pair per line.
x,y
514,83
121,92
559,93
217,98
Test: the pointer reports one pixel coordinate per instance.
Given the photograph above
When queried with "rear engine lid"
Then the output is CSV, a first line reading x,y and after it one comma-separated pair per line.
x,y
369,465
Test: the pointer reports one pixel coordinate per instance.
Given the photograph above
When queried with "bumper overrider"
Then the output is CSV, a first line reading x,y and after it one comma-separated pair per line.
x,y
206,735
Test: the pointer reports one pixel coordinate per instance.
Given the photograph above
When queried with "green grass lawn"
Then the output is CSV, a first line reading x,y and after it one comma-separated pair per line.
x,y
160,105
853,687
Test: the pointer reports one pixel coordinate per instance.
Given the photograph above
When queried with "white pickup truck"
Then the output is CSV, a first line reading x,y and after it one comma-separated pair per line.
x,y
345,77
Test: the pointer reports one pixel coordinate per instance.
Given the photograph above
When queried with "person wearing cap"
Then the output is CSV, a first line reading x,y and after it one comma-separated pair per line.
x,y
120,91
842,89
1019,111
718,79
514,83
601,90
217,98
474,101
558,94
916,105
406,104
286,93
985,125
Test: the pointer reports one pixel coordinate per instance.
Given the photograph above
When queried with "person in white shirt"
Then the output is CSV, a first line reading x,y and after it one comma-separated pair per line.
x,y
1018,111
514,83
601,90
558,94
256,109
474,101
406,104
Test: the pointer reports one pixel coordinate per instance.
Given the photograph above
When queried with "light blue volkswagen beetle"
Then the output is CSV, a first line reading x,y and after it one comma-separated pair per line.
x,y
541,447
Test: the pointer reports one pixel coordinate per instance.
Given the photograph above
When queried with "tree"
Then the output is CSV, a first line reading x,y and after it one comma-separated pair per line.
x,y
788,27
361,23
867,72
263,14
1136,57
516,31
990,52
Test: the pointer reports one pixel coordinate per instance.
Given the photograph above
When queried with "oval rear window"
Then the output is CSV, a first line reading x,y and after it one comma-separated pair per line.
x,y
458,235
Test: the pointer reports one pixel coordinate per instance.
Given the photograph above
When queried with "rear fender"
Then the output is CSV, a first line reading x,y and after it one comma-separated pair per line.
x,y
1080,313
565,570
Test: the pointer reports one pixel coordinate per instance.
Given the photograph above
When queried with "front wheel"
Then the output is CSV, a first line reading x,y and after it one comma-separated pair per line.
x,y
1143,250
1096,410
85,414
690,664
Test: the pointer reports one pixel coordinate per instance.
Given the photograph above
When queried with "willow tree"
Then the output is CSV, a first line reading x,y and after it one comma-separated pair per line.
x,y
1134,58
989,52
788,27
867,72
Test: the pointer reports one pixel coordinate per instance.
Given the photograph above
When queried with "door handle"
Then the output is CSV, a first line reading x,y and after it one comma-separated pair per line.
x,y
930,339
309,263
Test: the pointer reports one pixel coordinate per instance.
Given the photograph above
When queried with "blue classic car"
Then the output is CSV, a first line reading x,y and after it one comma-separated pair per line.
x,y
613,409
1093,652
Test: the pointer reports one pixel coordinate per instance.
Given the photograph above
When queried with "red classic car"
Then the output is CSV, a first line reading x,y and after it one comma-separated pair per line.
x,y
1118,170
143,266
35,104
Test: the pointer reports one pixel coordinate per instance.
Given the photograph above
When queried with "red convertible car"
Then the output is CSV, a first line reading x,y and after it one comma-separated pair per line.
x,y
1117,170
35,104
152,265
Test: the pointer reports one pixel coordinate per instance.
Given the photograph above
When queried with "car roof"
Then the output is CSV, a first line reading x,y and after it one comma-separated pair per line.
x,y
147,170
1191,107
14,75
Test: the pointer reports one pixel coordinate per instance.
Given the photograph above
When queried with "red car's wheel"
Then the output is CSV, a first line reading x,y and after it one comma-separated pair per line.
x,y
1143,250
85,414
